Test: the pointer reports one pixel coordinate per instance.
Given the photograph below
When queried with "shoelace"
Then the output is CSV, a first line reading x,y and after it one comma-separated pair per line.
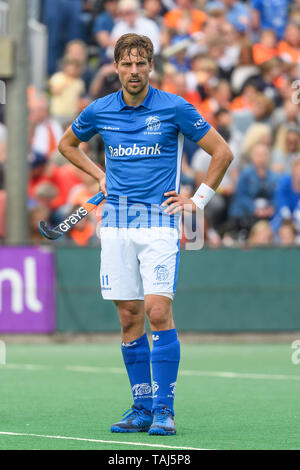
x,y
131,411
160,414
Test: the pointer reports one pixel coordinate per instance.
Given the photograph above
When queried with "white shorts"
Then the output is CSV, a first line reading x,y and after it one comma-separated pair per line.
x,y
138,262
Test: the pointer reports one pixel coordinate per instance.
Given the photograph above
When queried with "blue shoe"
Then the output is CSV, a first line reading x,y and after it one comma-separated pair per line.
x,y
138,420
163,422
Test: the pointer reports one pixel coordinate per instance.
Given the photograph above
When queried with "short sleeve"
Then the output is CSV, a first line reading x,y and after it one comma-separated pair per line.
x,y
189,121
84,125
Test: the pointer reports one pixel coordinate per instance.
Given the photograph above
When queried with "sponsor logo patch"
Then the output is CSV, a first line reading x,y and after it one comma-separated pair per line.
x,y
134,150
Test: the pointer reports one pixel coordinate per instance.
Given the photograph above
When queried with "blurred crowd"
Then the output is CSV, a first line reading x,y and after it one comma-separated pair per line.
x,y
237,62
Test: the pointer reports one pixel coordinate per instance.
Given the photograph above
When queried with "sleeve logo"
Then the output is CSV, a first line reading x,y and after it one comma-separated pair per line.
x,y
199,123
76,122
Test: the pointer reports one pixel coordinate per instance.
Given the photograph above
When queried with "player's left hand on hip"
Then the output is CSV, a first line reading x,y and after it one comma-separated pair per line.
x,y
177,203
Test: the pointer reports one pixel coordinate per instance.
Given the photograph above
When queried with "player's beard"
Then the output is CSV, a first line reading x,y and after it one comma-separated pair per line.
x,y
138,89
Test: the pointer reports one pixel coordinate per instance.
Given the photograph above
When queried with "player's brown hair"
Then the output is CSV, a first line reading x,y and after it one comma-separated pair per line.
x,y
130,41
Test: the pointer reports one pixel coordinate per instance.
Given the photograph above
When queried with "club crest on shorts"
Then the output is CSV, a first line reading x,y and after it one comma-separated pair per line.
x,y
141,389
161,272
153,123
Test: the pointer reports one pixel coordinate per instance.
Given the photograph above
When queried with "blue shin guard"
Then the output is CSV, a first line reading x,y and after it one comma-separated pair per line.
x,y
165,359
136,357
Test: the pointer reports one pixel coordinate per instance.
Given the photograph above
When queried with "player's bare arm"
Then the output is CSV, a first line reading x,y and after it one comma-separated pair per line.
x,y
69,147
221,155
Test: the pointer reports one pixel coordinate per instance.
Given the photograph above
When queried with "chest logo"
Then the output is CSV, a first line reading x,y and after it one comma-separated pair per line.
x,y
153,123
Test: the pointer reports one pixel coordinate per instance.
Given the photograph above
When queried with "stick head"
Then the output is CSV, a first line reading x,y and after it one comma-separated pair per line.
x,y
48,233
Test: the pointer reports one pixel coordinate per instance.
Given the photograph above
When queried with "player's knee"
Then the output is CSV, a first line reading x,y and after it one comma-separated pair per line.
x,y
127,320
158,316
130,307
130,315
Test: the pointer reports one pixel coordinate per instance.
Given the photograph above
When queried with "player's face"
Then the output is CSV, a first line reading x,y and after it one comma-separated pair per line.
x,y
134,70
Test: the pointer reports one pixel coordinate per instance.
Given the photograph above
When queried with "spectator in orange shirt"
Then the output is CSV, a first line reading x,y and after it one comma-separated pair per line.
x,y
218,96
63,178
180,88
289,47
38,172
245,101
266,49
173,17
84,232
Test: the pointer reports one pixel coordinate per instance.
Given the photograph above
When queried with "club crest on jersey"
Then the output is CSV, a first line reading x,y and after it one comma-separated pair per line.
x,y
153,123
141,389
161,272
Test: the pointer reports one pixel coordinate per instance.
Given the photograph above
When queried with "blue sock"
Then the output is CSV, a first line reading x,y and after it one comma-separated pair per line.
x,y
165,359
136,357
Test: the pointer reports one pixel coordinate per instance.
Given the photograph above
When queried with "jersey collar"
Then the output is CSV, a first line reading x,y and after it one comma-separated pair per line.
x,y
146,103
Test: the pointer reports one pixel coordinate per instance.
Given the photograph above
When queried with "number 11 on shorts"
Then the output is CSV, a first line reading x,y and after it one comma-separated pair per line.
x,y
104,280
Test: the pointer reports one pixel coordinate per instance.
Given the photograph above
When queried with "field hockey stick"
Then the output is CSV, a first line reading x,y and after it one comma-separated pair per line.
x,y
69,222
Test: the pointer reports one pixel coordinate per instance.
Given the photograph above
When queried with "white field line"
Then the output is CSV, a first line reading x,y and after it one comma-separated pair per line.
x,y
240,375
225,375
99,440
93,370
24,366
195,373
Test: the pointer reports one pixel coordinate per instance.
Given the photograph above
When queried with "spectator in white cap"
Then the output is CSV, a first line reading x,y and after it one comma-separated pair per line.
x,y
132,21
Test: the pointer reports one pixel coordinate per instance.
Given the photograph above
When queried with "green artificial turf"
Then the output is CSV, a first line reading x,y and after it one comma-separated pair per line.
x,y
212,412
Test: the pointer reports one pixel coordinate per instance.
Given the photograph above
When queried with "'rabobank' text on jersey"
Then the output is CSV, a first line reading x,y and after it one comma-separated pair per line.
x,y
143,152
